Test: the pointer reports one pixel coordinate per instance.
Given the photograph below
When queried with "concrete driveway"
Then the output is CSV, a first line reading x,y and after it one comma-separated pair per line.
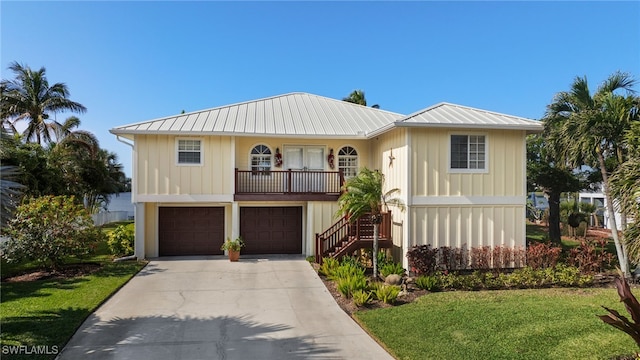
x,y
272,307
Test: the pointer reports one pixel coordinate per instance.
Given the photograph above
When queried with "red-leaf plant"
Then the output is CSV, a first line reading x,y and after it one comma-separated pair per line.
x,y
633,308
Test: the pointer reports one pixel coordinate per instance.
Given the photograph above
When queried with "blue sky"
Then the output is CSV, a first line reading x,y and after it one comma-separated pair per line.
x,y
134,61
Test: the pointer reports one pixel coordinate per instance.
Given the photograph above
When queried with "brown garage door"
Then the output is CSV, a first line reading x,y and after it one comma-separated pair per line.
x,y
271,230
190,230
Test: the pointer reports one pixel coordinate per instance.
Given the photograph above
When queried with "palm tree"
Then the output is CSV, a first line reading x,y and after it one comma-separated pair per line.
x,y
357,97
590,129
625,187
363,194
29,97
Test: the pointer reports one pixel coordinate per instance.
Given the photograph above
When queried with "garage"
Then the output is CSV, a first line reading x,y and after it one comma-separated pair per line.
x,y
271,230
190,230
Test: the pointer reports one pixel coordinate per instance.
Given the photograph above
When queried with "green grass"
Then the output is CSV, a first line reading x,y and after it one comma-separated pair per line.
x,y
515,324
48,312
536,233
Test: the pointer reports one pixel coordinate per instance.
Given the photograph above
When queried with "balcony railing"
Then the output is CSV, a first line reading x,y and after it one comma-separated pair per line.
x,y
288,185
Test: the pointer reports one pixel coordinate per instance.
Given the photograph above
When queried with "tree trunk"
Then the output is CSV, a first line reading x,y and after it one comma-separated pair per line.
x,y
375,250
554,216
622,256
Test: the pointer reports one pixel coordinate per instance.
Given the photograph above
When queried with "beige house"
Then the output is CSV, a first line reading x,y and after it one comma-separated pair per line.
x,y
270,170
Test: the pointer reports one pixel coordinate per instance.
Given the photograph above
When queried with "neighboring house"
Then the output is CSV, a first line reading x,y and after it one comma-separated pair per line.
x,y
261,170
602,216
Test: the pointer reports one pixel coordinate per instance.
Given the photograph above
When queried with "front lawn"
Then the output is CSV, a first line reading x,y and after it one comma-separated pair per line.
x,y
47,312
514,324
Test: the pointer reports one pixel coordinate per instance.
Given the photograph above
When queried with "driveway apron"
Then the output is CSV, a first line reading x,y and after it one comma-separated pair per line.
x,y
272,307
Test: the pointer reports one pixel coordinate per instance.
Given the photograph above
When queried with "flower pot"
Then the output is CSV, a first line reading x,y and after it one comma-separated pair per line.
x,y
234,255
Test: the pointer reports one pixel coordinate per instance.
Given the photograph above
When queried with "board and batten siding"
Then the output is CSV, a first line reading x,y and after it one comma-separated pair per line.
x,y
320,216
159,174
468,209
390,155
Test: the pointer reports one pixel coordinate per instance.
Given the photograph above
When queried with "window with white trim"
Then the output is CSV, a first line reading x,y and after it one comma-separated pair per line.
x,y
348,161
468,152
261,160
189,152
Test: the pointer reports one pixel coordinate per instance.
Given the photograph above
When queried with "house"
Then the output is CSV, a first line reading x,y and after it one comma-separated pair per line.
x,y
270,170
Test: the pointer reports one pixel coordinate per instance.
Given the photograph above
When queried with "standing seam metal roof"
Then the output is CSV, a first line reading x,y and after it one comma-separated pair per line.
x,y
302,114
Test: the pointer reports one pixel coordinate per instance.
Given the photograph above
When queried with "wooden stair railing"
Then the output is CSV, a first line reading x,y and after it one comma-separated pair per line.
x,y
343,238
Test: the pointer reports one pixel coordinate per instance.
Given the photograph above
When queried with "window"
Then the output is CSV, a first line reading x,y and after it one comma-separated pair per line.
x,y
189,152
468,152
260,160
348,161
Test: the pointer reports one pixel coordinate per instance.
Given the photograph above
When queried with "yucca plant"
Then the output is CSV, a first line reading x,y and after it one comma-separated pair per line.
x,y
391,268
328,266
620,322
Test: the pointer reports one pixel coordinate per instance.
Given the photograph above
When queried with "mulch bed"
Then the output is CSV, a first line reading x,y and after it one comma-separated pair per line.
x,y
65,272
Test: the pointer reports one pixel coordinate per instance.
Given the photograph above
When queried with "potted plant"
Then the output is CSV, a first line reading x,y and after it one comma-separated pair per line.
x,y
233,248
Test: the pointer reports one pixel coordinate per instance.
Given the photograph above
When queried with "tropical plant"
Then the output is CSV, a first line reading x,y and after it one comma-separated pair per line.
x,y
357,97
599,121
232,245
350,284
392,268
48,229
363,194
387,293
29,97
615,319
362,297
626,189
328,267
428,282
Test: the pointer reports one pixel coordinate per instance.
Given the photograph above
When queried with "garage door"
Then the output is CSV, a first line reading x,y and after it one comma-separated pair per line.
x,y
271,230
190,230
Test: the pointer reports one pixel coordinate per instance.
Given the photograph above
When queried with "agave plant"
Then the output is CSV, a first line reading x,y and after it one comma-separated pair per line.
x,y
620,322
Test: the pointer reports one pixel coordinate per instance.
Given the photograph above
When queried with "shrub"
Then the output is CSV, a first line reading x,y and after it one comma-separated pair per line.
x,y
350,284
392,268
481,257
541,255
428,282
48,229
361,297
590,256
346,270
328,266
121,240
350,260
422,259
387,293
632,328
502,257
452,258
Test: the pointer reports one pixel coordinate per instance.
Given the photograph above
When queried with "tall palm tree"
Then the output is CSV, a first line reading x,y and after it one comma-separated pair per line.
x,y
29,97
357,97
364,195
625,187
590,129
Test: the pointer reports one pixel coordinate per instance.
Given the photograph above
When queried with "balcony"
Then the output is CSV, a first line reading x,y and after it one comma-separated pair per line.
x,y
288,185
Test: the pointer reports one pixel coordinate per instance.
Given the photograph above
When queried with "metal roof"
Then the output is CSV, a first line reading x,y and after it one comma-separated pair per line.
x,y
308,115
458,116
294,114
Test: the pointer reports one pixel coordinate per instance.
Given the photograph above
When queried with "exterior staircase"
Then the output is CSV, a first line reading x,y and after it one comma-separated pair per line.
x,y
344,238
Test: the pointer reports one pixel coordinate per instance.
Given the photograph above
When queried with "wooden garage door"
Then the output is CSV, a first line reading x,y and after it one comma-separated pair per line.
x,y
271,230
190,230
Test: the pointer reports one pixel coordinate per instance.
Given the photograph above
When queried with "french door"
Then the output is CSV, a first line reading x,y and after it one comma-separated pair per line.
x,y
307,162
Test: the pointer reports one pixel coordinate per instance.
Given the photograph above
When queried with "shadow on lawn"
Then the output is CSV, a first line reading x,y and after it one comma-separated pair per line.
x,y
157,337
42,329
22,290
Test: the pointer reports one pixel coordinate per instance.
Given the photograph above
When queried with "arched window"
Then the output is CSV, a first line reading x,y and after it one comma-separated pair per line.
x,y
348,161
261,160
